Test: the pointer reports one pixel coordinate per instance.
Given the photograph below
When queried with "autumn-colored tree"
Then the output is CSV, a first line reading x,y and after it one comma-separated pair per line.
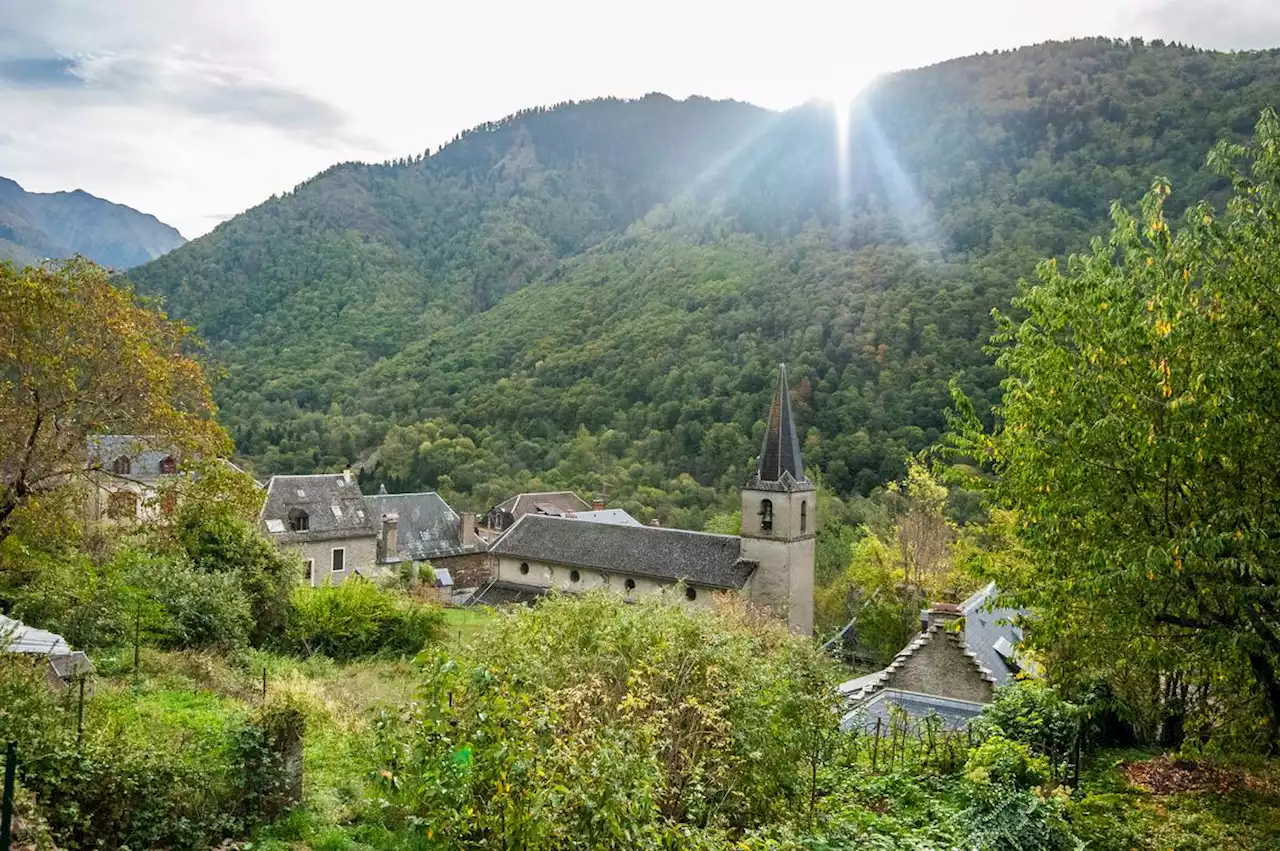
x,y
1137,447
81,357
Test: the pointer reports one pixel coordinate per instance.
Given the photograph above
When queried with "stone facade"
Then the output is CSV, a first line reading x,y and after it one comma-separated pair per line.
x,y
941,666
784,552
358,554
570,579
470,570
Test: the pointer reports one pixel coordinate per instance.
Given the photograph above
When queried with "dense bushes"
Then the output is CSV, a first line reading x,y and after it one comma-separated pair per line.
x,y
357,618
590,723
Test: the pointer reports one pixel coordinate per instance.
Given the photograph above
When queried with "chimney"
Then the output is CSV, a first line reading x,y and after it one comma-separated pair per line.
x,y
390,526
939,613
597,503
654,523
346,476
467,528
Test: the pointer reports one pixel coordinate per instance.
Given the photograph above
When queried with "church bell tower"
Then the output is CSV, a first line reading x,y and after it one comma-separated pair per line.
x,y
778,519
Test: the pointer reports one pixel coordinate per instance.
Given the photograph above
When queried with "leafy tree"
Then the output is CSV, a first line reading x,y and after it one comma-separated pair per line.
x,y
1136,445
80,357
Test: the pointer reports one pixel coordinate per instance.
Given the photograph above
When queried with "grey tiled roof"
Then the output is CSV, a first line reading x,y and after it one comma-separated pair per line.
x,y
983,629
671,554
427,527
144,455
547,502
317,495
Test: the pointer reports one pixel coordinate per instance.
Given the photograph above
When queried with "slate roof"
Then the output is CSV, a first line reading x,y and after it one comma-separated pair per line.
x,y
953,713
607,515
555,503
144,457
984,630
712,561
780,466
317,495
427,527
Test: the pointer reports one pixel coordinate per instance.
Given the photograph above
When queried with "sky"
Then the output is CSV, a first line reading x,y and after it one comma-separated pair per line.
x,y
195,110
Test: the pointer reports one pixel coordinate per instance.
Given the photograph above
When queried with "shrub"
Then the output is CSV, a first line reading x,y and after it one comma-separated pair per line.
x,y
1001,762
357,618
1006,811
124,785
1030,711
586,722
219,543
71,594
188,607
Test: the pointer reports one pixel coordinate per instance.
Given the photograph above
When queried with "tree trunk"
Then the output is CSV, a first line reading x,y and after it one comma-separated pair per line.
x,y
1264,670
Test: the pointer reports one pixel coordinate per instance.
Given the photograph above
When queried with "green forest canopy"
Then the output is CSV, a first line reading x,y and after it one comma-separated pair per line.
x,y
595,295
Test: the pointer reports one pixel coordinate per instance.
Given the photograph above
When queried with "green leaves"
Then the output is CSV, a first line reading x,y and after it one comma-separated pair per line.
x,y
1134,447
587,722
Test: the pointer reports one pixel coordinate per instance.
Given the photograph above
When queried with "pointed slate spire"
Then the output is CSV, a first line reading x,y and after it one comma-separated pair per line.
x,y
780,453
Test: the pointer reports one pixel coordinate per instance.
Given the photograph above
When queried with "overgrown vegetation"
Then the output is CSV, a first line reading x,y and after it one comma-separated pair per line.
x,y
357,618
1126,493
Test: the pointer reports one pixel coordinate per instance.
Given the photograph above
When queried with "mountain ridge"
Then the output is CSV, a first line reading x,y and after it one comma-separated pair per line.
x,y
38,225
618,279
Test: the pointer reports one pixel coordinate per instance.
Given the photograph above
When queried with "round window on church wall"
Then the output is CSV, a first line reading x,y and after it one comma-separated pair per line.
x,y
631,585
691,593
524,567
574,576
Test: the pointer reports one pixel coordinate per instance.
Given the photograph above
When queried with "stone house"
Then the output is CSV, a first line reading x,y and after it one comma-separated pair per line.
x,y
339,532
542,553
951,668
546,545
323,518
125,474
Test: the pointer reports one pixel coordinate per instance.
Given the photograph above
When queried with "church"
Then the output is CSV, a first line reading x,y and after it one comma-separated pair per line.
x,y
770,563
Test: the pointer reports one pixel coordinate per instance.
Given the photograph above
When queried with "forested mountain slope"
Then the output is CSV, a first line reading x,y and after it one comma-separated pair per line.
x,y
597,293
39,225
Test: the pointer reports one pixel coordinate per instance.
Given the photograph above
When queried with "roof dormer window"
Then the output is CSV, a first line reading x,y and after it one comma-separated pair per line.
x,y
122,466
168,465
299,521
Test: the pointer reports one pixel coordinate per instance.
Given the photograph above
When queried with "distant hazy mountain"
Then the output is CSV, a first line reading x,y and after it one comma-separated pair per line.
x,y
35,226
